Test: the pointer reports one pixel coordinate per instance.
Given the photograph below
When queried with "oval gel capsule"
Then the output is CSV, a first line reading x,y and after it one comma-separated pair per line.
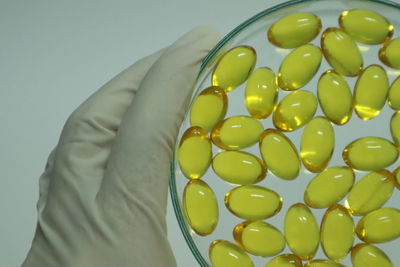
x,y
301,231
261,93
295,110
285,260
395,127
396,174
341,52
379,226
370,153
317,143
299,67
234,67
294,30
201,207
236,132
279,154
367,255
389,53
394,94
239,167
194,153
323,263
252,202
226,254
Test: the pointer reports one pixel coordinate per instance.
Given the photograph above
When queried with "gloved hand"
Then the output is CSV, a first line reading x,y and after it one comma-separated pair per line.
x,y
103,194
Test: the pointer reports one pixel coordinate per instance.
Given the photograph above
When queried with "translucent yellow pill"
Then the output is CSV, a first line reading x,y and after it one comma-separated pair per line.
x,y
370,192
261,93
367,255
294,30
317,143
371,92
323,263
239,167
252,202
237,132
389,53
295,110
366,26
226,254
209,108
341,52
329,187
337,232
259,238
279,154
396,174
379,226
370,153
395,127
201,207
194,153
394,94
335,97
234,67
301,231
299,67
285,260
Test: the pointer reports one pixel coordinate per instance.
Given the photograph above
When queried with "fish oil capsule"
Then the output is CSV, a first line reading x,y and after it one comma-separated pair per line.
x,y
294,30
329,187
285,260
323,263
341,52
279,154
370,153
395,127
394,94
367,255
317,143
261,93
299,67
259,238
371,92
236,132
396,174
226,254
209,108
301,231
332,86
194,153
201,207
389,54
337,232
234,67
238,167
295,110
366,26
370,192
379,226
252,202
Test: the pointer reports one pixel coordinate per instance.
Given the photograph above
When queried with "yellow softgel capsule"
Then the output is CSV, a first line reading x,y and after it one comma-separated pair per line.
x,y
317,143
295,110
370,192
239,167
323,263
294,30
341,52
299,67
194,152
394,94
367,255
379,226
252,202
329,187
279,154
261,93
389,53
370,153
337,232
234,67
236,132
285,260
201,207
259,238
209,108
366,26
301,231
223,253
395,127
371,92
335,97
396,174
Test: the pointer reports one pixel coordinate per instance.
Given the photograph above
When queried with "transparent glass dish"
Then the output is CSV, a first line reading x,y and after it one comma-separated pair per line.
x,y
253,32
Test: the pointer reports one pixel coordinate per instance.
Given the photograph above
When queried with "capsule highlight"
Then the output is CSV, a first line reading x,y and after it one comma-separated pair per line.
x,y
367,255
224,253
285,260
389,55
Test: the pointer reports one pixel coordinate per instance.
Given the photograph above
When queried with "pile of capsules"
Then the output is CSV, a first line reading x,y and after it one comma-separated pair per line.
x,y
254,203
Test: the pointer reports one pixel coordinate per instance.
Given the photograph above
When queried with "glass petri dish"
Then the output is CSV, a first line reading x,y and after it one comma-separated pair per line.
x,y
253,32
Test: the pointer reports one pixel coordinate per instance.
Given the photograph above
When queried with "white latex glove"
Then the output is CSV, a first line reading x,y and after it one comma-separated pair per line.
x,y
103,194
